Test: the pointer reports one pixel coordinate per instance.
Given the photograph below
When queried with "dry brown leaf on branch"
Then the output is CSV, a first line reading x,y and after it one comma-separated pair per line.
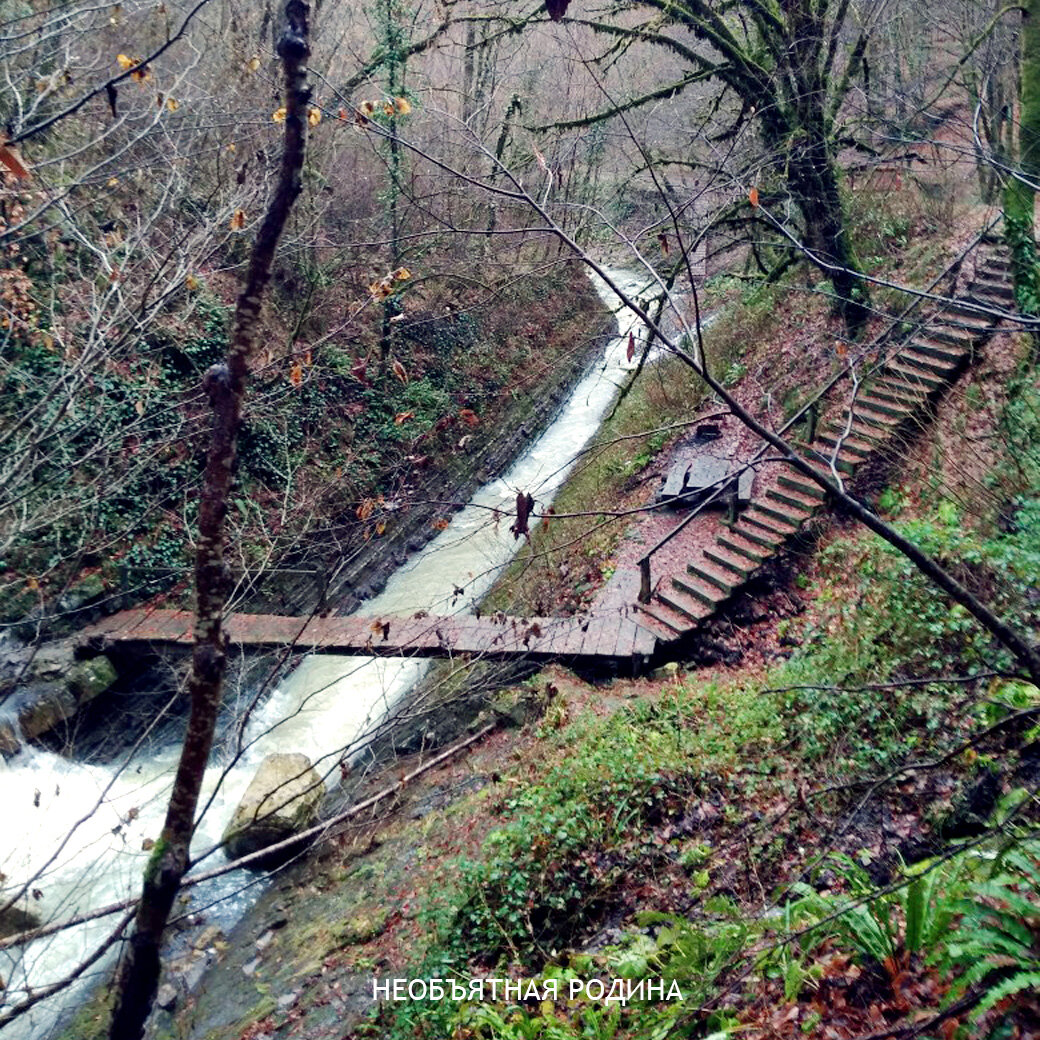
x,y
524,508
13,161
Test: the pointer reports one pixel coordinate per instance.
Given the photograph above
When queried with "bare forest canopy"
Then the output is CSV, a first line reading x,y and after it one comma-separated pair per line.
x,y
150,136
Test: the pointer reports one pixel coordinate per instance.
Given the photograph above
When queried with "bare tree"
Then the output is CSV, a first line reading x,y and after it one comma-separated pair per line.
x,y
226,386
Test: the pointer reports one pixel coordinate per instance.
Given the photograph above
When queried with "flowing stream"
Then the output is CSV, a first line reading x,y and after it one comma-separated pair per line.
x,y
77,829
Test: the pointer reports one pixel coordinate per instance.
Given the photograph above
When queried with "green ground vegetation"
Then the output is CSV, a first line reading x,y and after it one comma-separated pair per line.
x,y
334,441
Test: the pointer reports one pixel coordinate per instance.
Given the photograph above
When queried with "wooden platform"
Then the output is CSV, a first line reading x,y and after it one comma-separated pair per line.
x,y
605,637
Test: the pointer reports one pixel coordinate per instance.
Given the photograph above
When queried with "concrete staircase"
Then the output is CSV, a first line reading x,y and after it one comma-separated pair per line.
x,y
889,405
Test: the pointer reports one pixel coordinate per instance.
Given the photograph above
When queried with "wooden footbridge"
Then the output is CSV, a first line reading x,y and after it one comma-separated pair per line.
x,y
690,583
610,636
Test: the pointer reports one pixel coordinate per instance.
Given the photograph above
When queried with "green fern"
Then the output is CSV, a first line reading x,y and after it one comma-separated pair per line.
x,y
926,908
998,940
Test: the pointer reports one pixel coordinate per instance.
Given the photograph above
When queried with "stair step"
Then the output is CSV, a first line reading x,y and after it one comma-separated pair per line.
x,y
996,302
862,438
845,463
796,481
994,274
900,393
872,435
880,403
761,515
854,448
802,505
882,435
992,284
662,621
914,377
718,576
864,414
989,275
965,314
918,358
737,562
767,538
692,607
958,337
944,350
695,587
737,541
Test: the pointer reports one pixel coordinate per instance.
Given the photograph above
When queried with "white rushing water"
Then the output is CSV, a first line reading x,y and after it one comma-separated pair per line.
x,y
77,829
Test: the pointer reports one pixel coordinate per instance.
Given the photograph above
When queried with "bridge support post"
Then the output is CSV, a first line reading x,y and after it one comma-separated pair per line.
x,y
812,418
644,580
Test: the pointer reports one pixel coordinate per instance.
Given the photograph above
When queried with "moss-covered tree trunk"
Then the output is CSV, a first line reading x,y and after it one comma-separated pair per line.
x,y
1020,195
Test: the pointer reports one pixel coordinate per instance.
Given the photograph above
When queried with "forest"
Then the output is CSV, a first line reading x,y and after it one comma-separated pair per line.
x,y
519,520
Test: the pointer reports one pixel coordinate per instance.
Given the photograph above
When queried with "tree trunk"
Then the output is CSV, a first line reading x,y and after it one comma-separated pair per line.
x,y
225,384
1020,196
808,151
813,179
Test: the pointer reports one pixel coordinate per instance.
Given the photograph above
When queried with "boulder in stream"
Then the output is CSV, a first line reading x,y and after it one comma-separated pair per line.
x,y
9,742
46,705
281,800
88,679
15,920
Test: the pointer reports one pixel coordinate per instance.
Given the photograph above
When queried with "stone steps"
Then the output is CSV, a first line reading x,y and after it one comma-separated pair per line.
x,y
731,561
845,462
865,414
693,607
853,448
943,367
952,349
915,378
898,394
666,624
907,397
714,574
796,481
737,541
765,537
762,516
787,507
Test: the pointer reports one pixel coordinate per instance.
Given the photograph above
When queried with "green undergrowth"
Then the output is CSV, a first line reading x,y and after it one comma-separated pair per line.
x,y
895,625
634,821
334,439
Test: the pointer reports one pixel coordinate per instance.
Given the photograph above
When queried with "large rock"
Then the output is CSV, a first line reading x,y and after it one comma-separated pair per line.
x,y
47,705
84,592
281,801
15,920
87,679
9,742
